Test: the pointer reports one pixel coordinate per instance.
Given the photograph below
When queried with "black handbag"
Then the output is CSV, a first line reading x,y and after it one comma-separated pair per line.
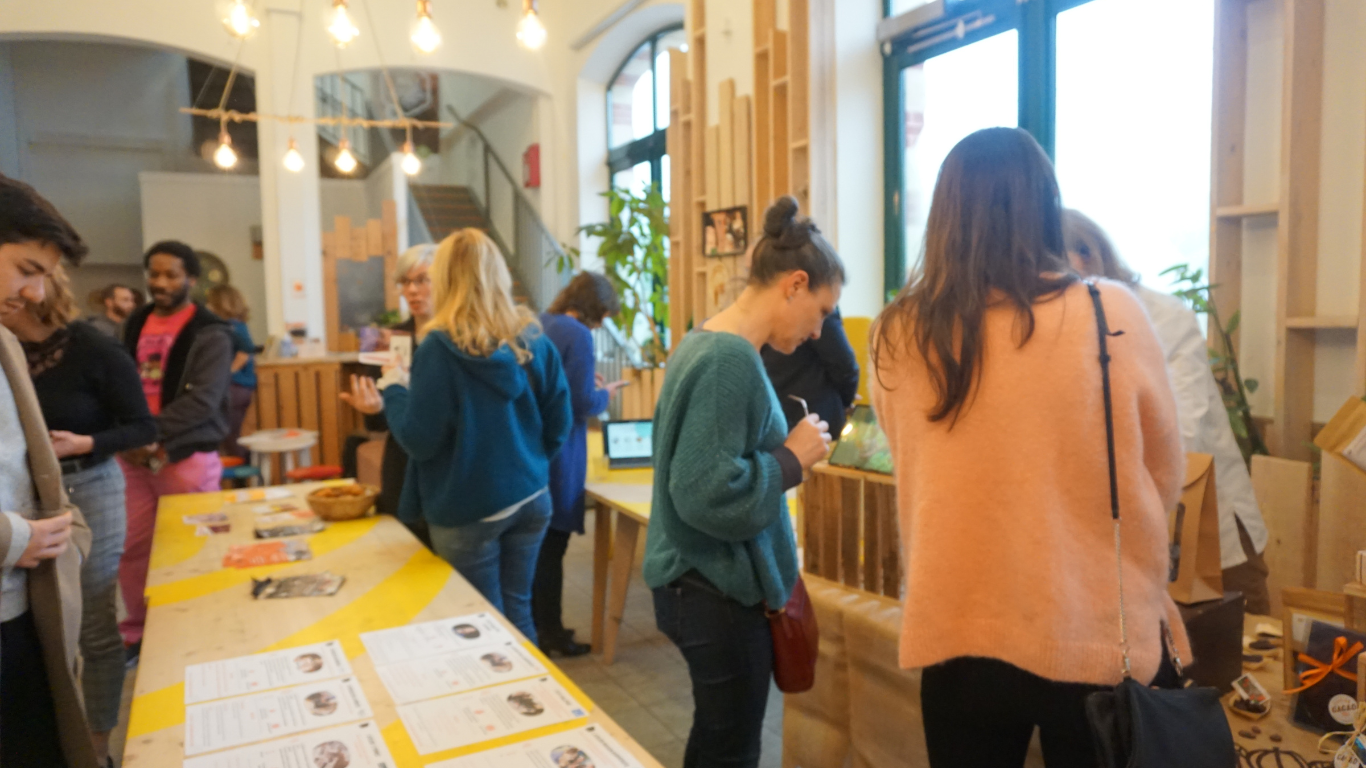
x,y
1135,726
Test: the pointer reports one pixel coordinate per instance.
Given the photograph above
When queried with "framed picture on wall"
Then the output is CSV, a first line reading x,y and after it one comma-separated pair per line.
x,y
725,232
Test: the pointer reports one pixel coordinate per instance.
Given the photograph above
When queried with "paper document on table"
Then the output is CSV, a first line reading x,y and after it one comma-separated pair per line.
x,y
588,747
358,745
428,678
432,638
248,719
259,494
264,671
491,713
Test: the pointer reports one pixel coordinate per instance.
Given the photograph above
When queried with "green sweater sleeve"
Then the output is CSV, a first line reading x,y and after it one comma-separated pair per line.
x,y
718,484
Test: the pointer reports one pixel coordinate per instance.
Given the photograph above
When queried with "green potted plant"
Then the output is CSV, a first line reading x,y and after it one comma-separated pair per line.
x,y
633,246
1223,358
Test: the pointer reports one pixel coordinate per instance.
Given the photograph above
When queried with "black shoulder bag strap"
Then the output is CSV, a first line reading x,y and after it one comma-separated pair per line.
x,y
1135,726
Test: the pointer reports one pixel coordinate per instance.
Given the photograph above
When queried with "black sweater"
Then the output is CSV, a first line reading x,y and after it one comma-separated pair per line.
x,y
95,390
823,372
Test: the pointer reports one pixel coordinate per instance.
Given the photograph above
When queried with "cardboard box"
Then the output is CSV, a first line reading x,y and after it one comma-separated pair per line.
x,y
1345,434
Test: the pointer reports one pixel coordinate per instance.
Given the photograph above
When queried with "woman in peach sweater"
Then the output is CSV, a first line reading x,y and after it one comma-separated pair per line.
x,y
988,385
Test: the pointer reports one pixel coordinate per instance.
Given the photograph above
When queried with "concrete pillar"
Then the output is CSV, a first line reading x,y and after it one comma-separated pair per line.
x,y
291,214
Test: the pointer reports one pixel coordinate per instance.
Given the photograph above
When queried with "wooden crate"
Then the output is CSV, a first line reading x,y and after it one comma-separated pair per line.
x,y
851,534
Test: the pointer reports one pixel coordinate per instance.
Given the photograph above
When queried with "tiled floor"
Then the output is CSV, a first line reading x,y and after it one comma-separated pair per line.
x,y
646,690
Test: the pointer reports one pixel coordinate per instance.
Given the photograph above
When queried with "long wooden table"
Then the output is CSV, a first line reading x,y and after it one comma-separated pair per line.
x,y
199,611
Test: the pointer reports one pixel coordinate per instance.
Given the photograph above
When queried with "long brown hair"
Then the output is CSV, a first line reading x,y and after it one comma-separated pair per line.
x,y
58,307
1089,242
994,232
228,303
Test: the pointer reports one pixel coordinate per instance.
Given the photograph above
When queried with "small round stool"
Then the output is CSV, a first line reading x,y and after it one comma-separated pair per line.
x,y
295,447
314,474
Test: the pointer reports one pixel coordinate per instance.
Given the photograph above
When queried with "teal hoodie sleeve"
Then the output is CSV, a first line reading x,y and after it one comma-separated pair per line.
x,y
716,485
422,415
557,417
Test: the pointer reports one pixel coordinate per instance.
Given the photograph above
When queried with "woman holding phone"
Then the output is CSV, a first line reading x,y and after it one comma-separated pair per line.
x,y
720,546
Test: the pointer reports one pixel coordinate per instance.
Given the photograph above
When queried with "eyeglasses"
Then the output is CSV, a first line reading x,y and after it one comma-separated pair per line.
x,y
420,282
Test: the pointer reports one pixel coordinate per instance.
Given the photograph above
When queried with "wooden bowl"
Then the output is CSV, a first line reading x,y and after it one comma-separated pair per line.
x,y
335,509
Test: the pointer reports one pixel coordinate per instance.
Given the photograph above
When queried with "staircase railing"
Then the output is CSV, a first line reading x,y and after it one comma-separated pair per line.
x,y
513,221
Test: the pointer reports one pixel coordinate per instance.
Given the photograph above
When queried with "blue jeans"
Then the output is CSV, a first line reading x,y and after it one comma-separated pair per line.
x,y
729,651
499,558
98,492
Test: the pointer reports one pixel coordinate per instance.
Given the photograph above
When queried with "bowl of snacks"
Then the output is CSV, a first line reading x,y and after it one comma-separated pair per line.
x,y
337,503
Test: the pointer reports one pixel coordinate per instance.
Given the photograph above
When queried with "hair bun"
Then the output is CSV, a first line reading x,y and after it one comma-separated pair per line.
x,y
780,216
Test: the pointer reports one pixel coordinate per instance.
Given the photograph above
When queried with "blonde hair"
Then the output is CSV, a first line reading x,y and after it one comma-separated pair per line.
x,y
58,307
417,256
472,293
227,302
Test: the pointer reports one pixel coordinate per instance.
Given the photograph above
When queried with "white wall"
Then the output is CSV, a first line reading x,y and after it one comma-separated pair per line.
x,y
211,212
80,121
1342,179
343,197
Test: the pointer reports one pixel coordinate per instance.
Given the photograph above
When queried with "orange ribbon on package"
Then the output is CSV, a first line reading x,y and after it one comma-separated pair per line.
x,y
1318,670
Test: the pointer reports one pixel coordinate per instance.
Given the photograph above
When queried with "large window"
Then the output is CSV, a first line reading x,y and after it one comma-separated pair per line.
x,y
1117,91
638,114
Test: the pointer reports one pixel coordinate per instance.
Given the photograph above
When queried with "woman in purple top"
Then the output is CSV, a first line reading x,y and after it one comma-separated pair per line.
x,y
579,308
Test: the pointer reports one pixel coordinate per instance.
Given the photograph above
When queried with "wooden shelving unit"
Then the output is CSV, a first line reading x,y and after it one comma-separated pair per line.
x,y
1296,212
757,148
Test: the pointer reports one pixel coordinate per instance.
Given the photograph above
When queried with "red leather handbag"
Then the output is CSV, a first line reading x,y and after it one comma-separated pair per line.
x,y
796,642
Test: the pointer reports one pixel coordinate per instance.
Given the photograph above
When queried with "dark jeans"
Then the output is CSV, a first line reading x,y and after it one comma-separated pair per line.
x,y
729,651
981,713
547,591
29,720
239,400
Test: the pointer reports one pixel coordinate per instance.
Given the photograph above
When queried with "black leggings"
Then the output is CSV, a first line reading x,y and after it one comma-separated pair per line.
x,y
547,590
981,713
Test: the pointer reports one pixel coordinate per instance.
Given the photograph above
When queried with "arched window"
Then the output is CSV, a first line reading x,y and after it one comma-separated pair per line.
x,y
638,114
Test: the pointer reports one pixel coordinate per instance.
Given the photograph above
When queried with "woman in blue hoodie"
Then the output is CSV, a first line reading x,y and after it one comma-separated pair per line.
x,y
486,409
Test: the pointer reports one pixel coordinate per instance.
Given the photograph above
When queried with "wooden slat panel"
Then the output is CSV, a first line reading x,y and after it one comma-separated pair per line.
x,y
1285,496
890,535
1297,233
1342,521
830,529
763,139
359,244
799,69
872,540
268,404
712,169
740,151
288,393
389,235
725,144
310,403
341,226
329,412
850,513
374,239
331,311
781,159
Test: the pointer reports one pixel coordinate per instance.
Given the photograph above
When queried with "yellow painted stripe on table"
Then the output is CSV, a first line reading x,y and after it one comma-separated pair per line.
x,y
156,710
405,753
391,603
335,537
175,541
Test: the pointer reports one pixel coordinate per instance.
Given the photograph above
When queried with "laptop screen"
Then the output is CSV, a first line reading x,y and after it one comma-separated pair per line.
x,y
629,439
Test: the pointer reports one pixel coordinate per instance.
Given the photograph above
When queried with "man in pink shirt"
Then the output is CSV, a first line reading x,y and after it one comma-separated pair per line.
x,y
184,354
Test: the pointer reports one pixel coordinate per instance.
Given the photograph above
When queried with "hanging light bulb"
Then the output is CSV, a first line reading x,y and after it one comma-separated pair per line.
x,y
345,161
239,20
294,159
426,37
530,30
412,164
224,157
340,25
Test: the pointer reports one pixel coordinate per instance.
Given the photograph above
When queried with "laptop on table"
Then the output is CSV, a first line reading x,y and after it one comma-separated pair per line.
x,y
629,444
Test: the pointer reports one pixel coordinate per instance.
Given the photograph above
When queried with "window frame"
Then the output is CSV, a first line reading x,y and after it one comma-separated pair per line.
x,y
1035,21
654,147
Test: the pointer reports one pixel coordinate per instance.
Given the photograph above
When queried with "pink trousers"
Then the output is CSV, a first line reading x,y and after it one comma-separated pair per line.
x,y
200,473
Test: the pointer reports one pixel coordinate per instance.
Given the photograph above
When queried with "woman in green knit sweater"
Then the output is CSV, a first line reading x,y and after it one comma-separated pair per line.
x,y
720,546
